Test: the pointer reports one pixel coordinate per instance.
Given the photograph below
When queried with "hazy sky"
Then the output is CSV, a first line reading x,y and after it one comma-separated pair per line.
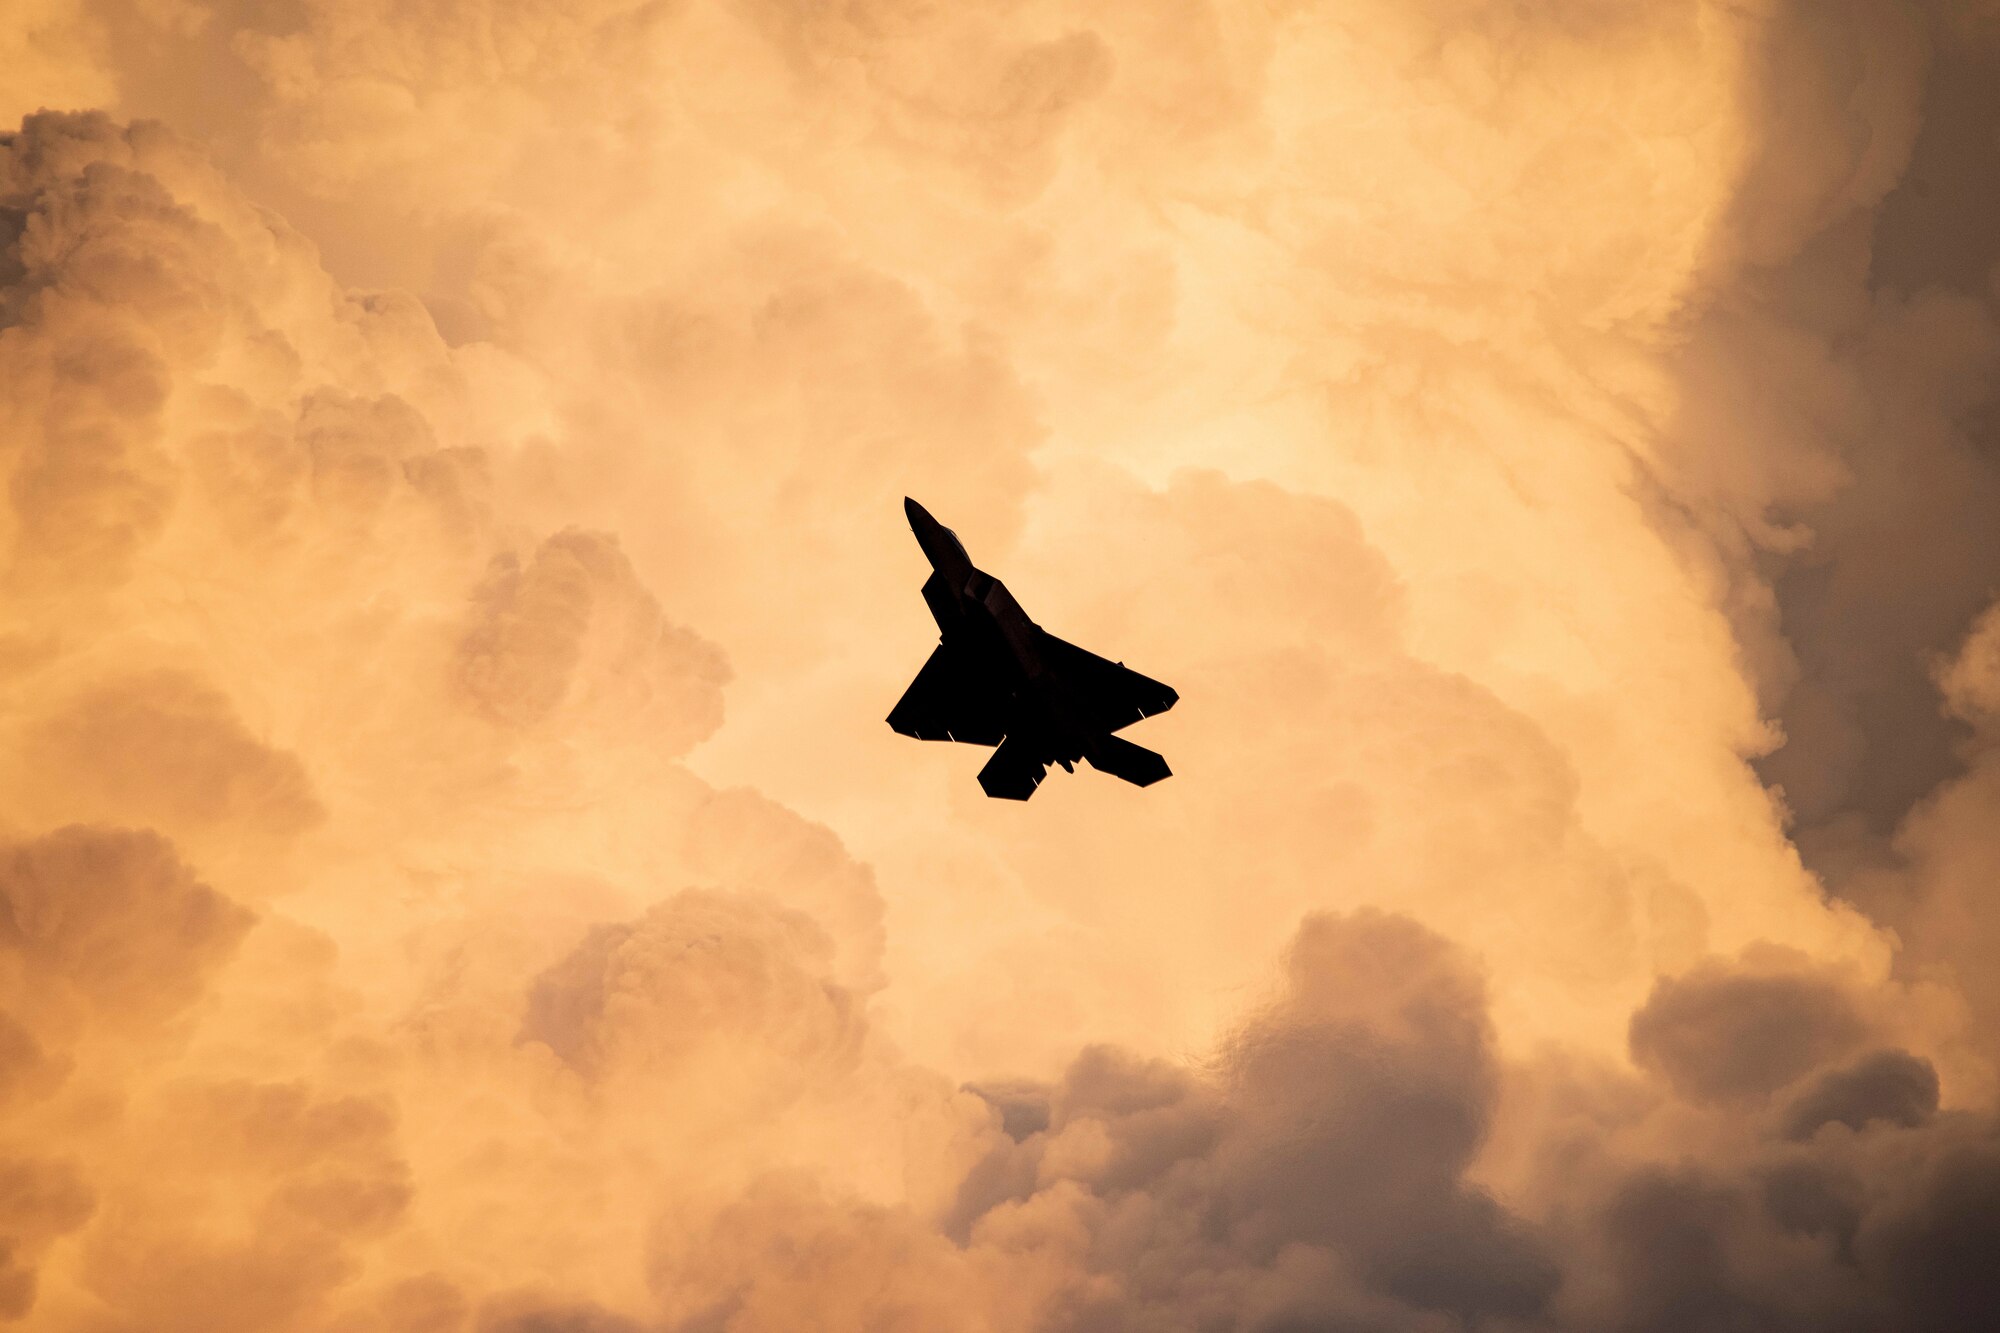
x,y
456,875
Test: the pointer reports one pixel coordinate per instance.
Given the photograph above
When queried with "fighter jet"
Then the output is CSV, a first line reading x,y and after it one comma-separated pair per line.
x,y
997,678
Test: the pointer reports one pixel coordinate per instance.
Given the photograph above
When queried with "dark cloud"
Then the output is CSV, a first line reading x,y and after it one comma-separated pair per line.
x,y
526,1314
1858,1234
1318,1179
1023,1105
1316,1176
1374,1081
1677,1243
1808,1196
1721,1034
1935,1245
1892,1086
1847,370
1844,1208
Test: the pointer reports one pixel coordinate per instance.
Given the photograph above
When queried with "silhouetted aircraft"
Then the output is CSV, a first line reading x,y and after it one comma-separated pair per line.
x,y
998,678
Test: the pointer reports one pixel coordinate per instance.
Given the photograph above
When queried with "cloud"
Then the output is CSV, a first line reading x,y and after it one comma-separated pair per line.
x,y
575,627
1721,1033
1318,1175
1848,1233
451,459
165,749
1886,1085
27,1070
1971,680
43,1200
250,1212
699,980
109,925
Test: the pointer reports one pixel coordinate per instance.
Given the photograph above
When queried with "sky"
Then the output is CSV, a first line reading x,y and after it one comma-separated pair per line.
x,y
457,877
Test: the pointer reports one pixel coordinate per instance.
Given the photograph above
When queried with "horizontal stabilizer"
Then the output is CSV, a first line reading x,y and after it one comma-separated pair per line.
x,y
1120,758
1013,773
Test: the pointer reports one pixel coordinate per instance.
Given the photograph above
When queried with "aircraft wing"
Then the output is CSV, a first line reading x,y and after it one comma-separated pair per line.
x,y
951,700
1112,695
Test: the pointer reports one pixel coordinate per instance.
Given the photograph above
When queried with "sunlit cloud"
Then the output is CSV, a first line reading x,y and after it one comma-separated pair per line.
x,y
458,877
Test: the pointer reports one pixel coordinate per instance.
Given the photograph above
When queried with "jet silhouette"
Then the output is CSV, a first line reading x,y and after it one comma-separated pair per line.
x,y
997,678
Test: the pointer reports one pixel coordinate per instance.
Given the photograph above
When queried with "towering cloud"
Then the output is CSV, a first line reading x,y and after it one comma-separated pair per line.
x,y
454,876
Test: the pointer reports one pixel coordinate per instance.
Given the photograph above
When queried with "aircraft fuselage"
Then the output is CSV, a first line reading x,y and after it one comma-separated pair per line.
x,y
998,678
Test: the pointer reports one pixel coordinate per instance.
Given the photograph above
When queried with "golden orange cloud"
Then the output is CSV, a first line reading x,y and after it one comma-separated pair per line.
x,y
456,875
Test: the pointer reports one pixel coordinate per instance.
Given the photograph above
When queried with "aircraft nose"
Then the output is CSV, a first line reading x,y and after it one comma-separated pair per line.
x,y
915,512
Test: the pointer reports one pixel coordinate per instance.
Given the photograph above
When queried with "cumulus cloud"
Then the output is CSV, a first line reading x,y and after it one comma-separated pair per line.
x,y
455,876
44,1200
575,627
1894,1086
698,975
109,923
1720,1033
165,749
249,1226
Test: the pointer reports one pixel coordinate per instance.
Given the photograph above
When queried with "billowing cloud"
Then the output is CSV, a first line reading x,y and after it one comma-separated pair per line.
x,y
455,876
699,980
1719,1033
108,924
1891,1085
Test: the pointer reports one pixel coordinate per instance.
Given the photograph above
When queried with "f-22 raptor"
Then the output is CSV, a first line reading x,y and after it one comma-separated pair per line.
x,y
997,678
